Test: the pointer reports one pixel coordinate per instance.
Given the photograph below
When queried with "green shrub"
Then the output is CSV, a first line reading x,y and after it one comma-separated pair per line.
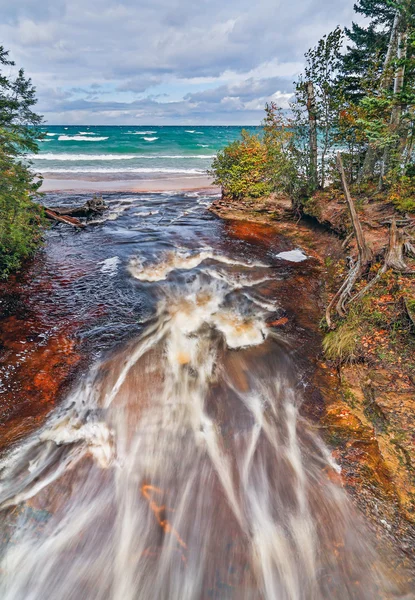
x,y
20,218
402,194
241,168
258,165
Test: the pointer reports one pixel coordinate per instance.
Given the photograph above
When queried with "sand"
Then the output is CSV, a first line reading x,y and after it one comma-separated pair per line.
x,y
174,184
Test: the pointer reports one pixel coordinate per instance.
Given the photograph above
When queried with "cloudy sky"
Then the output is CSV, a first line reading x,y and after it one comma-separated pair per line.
x,y
163,61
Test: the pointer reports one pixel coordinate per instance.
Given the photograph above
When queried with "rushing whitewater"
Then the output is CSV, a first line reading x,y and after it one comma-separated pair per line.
x,y
180,468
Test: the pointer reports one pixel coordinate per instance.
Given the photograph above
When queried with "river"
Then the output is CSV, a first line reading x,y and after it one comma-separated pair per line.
x,y
180,464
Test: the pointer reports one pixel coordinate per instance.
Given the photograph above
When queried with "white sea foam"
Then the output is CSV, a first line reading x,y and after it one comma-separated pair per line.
x,y
80,138
110,266
51,134
203,146
119,170
142,132
86,133
150,139
293,255
64,156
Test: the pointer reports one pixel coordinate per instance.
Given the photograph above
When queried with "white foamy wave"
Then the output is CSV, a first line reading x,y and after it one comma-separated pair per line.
x,y
194,131
179,261
238,331
110,266
146,213
86,133
80,138
293,255
204,305
96,436
151,139
204,146
51,134
142,132
64,156
120,170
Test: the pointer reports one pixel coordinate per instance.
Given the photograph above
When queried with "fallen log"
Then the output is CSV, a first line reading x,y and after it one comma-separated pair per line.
x,y
93,207
53,216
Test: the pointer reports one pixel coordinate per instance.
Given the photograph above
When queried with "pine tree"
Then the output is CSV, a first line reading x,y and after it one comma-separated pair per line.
x,y
20,216
368,46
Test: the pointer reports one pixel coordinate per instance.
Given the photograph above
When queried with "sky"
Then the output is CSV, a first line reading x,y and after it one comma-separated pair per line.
x,y
164,62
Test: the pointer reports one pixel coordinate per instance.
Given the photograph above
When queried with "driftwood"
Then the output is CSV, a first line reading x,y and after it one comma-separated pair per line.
x,y
70,214
93,207
53,216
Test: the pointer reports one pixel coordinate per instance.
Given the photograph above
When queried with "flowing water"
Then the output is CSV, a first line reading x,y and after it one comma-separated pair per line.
x,y
179,467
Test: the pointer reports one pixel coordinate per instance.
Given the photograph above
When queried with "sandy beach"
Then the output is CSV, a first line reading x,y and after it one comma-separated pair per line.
x,y
173,184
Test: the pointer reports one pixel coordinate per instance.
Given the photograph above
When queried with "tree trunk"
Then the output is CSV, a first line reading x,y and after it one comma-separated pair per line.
x,y
387,74
365,254
312,119
399,80
396,113
394,257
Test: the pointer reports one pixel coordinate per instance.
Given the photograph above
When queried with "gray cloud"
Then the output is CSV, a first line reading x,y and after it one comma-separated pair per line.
x,y
206,61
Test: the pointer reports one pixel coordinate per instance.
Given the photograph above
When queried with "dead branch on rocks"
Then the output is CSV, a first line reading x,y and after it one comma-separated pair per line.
x,y
400,243
342,297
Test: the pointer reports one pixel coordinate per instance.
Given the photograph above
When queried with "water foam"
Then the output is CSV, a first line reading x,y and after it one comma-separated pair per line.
x,y
80,138
109,266
144,170
179,260
65,156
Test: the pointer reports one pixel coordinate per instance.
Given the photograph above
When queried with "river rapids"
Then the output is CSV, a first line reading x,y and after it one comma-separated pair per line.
x,y
179,467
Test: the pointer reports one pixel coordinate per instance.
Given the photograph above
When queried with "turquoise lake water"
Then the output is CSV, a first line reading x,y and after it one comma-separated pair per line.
x,y
119,152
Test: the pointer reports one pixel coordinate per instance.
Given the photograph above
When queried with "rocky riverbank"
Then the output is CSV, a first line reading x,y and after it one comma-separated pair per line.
x,y
368,414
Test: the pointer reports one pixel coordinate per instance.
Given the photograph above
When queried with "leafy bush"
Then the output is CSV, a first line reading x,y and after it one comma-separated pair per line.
x,y
241,168
20,217
259,165
402,194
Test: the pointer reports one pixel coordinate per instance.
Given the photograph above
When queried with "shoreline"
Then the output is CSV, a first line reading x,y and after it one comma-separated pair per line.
x,y
173,184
